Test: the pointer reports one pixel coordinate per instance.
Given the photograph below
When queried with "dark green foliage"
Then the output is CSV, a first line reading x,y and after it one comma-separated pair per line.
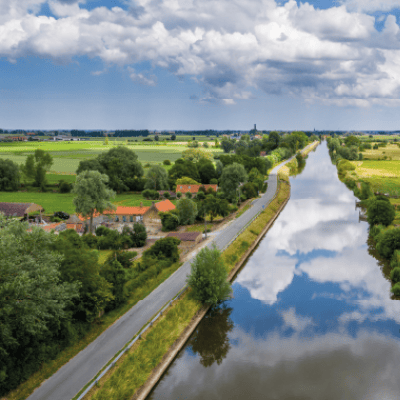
x,y
65,187
120,164
178,195
366,192
167,162
156,178
249,190
138,235
231,177
380,212
113,272
35,167
150,194
227,144
396,289
182,168
102,230
206,171
169,221
166,195
214,181
164,248
395,274
388,242
188,195
90,240
9,175
209,278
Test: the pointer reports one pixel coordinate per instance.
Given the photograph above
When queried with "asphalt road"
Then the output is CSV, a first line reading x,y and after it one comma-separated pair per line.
x,y
73,376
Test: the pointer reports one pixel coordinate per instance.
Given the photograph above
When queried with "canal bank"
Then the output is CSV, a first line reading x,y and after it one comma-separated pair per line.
x,y
309,317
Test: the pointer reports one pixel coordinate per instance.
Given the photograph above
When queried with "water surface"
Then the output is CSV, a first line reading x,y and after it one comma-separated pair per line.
x,y
312,316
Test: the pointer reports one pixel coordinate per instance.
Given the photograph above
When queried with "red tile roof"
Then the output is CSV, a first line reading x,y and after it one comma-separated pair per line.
x,y
165,206
50,227
185,236
121,210
193,188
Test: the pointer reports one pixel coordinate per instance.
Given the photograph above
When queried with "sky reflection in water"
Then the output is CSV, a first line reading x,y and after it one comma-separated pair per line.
x,y
311,317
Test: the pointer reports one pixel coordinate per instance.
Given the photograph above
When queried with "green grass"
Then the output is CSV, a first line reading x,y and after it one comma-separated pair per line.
x,y
198,228
103,255
55,178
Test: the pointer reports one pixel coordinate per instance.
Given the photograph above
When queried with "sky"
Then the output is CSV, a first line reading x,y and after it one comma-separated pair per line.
x,y
200,64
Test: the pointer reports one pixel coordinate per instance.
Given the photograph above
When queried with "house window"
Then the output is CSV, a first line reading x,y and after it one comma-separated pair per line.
x,y
116,219
189,187
138,219
124,218
131,218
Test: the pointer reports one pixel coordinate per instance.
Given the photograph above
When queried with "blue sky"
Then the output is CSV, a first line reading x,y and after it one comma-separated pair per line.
x,y
199,64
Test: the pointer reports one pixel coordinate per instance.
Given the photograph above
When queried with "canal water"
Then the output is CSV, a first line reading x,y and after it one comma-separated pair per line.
x,y
312,316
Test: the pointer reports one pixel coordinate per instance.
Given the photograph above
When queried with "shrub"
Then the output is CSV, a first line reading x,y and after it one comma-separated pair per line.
x,y
164,248
150,194
166,195
396,289
167,162
205,145
90,240
178,195
388,242
380,212
395,274
102,230
123,257
169,221
208,277
249,190
114,273
138,235
187,211
188,195
65,187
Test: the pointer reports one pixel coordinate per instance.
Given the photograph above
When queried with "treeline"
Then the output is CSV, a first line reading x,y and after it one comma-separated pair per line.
x,y
132,133
79,133
53,289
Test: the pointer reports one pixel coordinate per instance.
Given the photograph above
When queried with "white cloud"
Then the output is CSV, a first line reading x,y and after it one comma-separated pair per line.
x,y
149,80
371,5
331,55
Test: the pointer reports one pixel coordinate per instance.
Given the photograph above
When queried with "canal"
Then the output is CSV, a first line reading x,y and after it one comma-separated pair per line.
x,y
311,317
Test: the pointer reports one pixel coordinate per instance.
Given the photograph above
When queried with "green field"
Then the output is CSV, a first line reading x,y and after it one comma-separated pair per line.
x,y
52,202
67,155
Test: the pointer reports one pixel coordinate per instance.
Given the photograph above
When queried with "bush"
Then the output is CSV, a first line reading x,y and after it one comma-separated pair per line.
x,y
65,187
169,221
166,195
138,235
396,289
187,211
208,277
380,212
123,257
388,242
114,273
249,190
90,240
150,194
102,230
167,162
188,195
178,195
166,248
205,145
395,274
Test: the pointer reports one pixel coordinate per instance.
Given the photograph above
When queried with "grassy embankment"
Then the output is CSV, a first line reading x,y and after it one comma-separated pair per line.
x,y
134,368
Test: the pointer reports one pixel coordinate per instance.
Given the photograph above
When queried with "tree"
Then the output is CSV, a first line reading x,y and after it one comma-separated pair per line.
x,y
138,235
232,176
186,181
9,175
380,212
114,273
352,141
120,164
196,155
215,206
219,167
33,301
388,242
166,248
273,140
209,278
182,168
92,194
36,165
206,171
227,144
80,265
156,178
187,211
169,221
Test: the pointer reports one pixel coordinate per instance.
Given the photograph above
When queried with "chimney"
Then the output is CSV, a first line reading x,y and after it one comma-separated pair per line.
x,y
141,204
153,203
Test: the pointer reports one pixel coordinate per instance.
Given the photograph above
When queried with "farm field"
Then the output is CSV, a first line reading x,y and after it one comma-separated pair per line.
x,y
67,155
383,176
391,151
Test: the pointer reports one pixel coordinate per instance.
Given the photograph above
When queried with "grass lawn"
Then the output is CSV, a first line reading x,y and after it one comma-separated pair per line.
x,y
390,151
55,178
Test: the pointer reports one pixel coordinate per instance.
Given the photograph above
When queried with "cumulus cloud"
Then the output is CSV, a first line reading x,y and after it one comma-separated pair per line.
x,y
147,80
329,55
371,5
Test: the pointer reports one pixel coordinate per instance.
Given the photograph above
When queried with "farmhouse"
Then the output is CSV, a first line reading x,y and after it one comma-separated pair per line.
x,y
151,217
188,239
194,188
127,214
19,209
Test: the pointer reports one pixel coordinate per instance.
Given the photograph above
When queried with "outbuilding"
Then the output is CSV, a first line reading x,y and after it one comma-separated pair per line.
x,y
19,209
188,239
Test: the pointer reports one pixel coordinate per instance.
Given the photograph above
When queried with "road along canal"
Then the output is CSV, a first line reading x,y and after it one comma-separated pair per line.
x,y
311,315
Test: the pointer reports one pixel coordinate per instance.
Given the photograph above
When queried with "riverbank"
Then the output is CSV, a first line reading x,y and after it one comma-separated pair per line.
x,y
138,371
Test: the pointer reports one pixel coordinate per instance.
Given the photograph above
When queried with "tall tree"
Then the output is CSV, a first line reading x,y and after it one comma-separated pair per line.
x,y
33,300
9,175
232,176
156,178
92,194
209,278
187,211
36,165
227,144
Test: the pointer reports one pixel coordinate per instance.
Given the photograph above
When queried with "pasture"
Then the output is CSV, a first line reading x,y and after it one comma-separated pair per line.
x,y
391,152
67,155
383,176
